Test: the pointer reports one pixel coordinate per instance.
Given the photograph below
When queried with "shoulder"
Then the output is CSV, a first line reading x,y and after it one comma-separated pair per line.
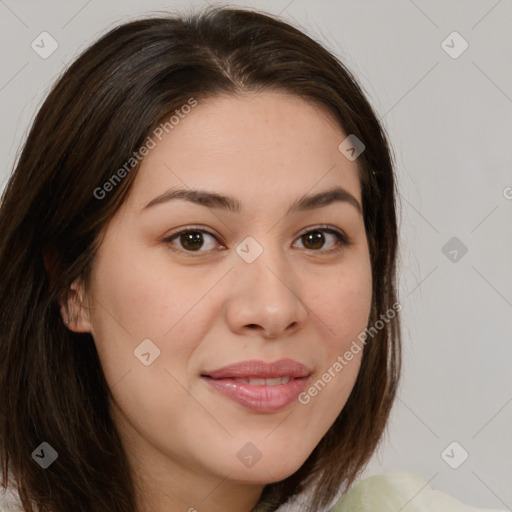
x,y
9,498
9,501
407,492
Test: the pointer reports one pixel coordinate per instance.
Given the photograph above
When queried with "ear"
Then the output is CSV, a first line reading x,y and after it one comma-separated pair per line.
x,y
76,312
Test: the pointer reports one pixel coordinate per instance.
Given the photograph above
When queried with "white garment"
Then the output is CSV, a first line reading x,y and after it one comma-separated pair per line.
x,y
404,492
389,492
9,498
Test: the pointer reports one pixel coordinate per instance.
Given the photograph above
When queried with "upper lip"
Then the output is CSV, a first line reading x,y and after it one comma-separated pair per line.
x,y
261,369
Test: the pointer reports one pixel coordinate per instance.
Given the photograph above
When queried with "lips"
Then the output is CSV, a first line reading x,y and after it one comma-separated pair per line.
x,y
258,381
259,386
256,369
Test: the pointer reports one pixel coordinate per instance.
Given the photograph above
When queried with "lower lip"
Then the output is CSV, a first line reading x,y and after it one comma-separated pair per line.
x,y
259,398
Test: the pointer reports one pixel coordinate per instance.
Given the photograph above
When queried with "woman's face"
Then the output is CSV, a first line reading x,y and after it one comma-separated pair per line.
x,y
251,283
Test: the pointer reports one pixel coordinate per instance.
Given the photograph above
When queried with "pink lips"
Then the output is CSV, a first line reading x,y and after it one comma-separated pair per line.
x,y
260,397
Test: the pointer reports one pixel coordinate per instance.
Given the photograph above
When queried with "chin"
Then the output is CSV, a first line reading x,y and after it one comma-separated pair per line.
x,y
263,476
275,468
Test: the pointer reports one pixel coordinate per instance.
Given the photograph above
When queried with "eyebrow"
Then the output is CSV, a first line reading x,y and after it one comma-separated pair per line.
x,y
231,204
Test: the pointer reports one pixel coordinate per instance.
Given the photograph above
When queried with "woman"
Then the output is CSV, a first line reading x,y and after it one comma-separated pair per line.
x,y
201,236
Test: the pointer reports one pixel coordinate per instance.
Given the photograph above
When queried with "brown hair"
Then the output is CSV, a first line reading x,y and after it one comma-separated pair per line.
x,y
97,115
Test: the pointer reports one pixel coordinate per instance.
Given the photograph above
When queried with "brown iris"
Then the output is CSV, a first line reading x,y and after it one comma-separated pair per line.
x,y
192,241
316,238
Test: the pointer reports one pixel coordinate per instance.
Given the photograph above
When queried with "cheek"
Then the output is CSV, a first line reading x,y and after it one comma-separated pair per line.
x,y
146,295
141,297
343,310
342,305
343,302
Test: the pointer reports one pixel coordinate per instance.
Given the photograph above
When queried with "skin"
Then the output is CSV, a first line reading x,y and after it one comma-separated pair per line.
x,y
207,309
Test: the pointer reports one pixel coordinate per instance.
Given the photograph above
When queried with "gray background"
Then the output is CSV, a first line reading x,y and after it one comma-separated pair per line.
x,y
450,123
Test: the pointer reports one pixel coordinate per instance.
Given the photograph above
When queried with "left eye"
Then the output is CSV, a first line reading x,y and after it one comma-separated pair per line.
x,y
316,238
192,240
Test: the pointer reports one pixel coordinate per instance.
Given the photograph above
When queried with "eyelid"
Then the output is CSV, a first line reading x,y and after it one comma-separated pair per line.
x,y
169,239
330,229
342,238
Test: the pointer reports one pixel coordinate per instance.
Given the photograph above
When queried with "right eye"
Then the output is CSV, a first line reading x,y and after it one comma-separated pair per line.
x,y
191,240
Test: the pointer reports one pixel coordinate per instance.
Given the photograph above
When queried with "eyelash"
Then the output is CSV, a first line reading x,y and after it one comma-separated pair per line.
x,y
342,239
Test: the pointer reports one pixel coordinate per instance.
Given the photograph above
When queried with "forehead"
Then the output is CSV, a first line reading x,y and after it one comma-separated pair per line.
x,y
268,142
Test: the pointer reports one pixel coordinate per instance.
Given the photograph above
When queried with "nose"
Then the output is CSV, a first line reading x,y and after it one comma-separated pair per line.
x,y
265,299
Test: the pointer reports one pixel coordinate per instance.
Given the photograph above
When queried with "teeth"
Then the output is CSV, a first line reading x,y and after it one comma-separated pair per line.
x,y
265,382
